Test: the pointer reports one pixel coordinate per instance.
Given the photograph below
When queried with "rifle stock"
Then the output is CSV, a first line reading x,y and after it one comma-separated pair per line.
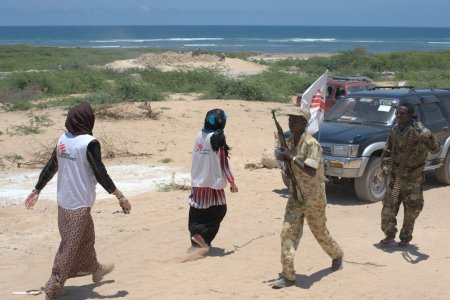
x,y
283,144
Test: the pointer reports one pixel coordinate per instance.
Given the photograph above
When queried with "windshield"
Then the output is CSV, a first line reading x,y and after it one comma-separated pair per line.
x,y
364,110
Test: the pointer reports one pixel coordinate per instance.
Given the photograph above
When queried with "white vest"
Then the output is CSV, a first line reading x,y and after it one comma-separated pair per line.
x,y
76,181
206,170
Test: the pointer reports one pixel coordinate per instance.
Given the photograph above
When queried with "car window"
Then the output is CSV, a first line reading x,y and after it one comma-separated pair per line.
x,y
445,102
340,91
432,113
329,91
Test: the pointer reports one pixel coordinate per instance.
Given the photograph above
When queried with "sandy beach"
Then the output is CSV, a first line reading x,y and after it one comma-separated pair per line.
x,y
150,246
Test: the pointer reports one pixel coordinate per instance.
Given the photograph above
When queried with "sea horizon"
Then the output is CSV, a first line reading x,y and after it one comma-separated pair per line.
x,y
232,38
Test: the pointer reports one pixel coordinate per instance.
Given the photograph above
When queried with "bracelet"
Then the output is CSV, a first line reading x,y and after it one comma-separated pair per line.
x,y
36,191
120,196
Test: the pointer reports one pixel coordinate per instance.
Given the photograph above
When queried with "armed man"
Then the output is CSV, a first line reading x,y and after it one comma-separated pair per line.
x,y
307,197
402,162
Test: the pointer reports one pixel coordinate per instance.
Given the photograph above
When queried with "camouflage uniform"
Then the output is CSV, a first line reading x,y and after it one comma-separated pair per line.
x,y
411,191
310,204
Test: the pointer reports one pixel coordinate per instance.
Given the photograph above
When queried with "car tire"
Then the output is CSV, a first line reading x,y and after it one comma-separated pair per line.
x,y
371,187
443,173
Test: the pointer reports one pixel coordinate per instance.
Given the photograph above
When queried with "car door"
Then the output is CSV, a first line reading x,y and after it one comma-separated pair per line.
x,y
433,117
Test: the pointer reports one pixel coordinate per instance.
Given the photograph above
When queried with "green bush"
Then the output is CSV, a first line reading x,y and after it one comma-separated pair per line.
x,y
283,80
56,83
181,81
237,89
131,90
24,57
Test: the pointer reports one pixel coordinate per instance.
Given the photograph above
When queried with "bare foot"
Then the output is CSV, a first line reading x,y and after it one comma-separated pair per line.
x,y
198,239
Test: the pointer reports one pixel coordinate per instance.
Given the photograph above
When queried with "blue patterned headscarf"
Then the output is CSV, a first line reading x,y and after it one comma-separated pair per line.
x,y
215,121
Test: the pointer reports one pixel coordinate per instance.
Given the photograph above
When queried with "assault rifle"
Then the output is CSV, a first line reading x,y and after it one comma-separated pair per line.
x,y
283,144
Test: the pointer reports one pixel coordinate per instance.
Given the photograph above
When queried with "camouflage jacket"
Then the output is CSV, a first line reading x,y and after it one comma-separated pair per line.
x,y
310,190
396,148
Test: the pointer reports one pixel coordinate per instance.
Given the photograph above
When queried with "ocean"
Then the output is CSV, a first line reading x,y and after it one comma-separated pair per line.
x,y
282,39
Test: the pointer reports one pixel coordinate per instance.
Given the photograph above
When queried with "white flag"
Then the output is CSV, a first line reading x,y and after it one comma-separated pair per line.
x,y
314,100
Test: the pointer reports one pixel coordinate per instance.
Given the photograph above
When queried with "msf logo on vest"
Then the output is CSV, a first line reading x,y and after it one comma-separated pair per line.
x,y
202,150
62,153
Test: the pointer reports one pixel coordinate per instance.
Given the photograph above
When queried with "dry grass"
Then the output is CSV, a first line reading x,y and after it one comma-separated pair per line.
x,y
126,111
41,154
173,186
113,147
146,106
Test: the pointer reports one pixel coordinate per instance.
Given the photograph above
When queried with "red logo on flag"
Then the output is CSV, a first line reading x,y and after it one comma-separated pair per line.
x,y
62,148
318,101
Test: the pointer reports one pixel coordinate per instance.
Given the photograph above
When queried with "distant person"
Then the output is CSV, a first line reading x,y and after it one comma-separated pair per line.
x,y
197,52
402,161
309,202
222,56
210,173
77,159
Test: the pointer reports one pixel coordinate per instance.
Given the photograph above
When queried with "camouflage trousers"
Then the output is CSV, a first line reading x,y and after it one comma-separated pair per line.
x,y
292,232
411,195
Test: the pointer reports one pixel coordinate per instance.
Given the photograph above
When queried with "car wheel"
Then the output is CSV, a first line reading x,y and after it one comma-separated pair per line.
x,y
371,186
443,173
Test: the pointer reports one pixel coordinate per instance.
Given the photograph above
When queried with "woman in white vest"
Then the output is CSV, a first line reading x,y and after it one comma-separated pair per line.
x,y
77,159
210,173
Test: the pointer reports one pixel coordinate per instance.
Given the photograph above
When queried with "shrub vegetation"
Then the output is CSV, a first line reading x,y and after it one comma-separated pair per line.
x,y
65,76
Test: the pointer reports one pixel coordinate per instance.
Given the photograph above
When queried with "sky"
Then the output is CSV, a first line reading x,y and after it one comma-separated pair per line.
x,y
409,13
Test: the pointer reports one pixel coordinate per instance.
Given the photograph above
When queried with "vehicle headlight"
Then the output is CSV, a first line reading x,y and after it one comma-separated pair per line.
x,y
345,150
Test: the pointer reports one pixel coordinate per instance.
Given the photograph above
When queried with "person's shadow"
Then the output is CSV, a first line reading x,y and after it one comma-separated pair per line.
x,y
214,251
410,253
87,292
283,192
307,281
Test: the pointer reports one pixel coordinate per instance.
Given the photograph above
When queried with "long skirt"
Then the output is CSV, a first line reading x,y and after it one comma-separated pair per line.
x,y
76,254
206,222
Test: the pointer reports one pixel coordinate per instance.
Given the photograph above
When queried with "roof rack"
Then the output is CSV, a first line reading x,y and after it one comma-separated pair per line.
x,y
393,87
352,78
446,89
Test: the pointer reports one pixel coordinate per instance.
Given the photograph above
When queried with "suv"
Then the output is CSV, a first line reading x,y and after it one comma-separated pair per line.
x,y
340,86
355,130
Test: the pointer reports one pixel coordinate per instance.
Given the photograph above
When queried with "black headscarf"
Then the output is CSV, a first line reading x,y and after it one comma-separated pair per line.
x,y
80,119
215,121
